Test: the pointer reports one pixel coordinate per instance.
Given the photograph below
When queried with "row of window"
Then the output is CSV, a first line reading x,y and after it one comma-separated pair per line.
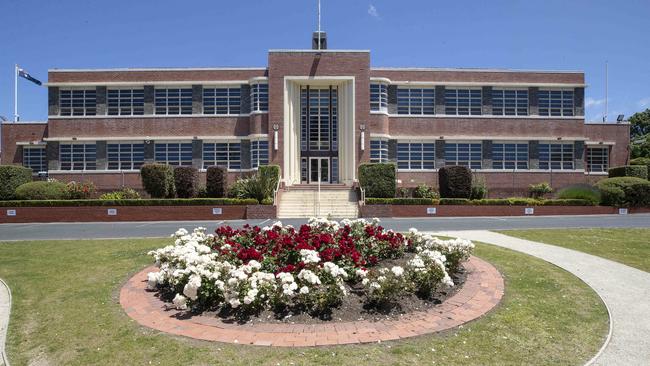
x,y
167,101
130,156
468,101
422,156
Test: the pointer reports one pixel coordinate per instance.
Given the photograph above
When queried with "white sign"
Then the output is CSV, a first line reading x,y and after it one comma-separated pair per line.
x,y
529,211
11,212
217,211
431,210
112,212
622,211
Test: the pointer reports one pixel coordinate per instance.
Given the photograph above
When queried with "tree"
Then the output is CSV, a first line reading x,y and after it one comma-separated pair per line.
x,y
640,134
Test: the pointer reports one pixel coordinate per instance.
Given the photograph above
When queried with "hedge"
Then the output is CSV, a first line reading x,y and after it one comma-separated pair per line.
x,y
642,161
516,201
455,181
215,181
378,179
11,177
639,171
624,192
42,190
401,201
186,181
132,202
158,180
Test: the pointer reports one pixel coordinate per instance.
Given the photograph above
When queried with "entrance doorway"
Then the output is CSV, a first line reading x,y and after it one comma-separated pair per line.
x,y
319,134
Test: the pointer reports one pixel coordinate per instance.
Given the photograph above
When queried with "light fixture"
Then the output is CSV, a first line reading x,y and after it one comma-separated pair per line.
x,y
362,127
620,118
276,127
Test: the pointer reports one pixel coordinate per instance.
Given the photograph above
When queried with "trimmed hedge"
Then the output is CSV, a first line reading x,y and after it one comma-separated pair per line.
x,y
125,193
624,192
42,190
642,161
215,181
158,180
186,181
378,179
132,202
516,201
580,191
401,201
11,177
639,171
455,181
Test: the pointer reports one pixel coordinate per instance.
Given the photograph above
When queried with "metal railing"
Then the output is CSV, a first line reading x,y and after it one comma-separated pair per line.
x,y
275,192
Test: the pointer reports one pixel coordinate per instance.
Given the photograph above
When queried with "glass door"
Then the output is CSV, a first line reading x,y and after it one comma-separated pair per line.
x,y
319,167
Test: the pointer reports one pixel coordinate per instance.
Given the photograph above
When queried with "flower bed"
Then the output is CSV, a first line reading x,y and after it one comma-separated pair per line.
x,y
312,269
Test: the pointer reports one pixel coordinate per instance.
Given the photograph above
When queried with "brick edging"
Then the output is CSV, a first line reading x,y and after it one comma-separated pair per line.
x,y
481,292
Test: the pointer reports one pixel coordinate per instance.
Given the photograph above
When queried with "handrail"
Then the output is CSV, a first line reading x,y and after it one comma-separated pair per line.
x,y
275,192
363,195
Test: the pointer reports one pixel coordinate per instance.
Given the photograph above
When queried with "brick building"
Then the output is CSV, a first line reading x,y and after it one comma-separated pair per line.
x,y
313,111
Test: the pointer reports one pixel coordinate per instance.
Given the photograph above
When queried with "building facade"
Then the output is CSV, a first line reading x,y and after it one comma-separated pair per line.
x,y
319,114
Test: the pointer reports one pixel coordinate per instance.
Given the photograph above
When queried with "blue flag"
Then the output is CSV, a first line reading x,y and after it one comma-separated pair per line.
x,y
23,74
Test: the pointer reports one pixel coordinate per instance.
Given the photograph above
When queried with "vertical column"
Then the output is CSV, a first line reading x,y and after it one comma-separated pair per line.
x,y
100,93
579,102
486,100
392,99
578,154
197,99
197,153
245,104
101,158
149,152
52,155
440,153
149,99
533,101
440,100
392,151
53,101
533,154
486,154
245,154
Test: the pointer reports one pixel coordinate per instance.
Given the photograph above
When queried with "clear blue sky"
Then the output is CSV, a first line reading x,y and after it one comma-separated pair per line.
x,y
553,35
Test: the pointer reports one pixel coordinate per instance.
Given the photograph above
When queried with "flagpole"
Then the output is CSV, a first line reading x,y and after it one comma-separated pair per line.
x,y
16,94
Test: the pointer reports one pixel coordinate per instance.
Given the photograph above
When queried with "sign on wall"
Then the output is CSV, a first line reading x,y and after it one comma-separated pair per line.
x,y
431,210
11,212
112,212
217,211
529,211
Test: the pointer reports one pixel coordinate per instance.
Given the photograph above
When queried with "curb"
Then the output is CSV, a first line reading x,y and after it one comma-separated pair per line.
x,y
5,291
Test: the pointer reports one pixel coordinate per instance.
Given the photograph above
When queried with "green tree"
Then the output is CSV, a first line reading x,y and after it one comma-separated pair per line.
x,y
640,134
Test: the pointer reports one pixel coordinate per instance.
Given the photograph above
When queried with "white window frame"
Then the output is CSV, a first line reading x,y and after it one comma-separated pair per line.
x,y
232,155
381,151
132,163
41,158
469,161
85,154
258,105
565,145
166,106
379,97
172,157
517,153
416,165
128,101
88,102
257,154
231,108
603,162
416,109
456,107
519,102
563,102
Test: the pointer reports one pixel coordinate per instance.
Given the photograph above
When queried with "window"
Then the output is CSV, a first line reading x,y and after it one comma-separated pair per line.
x,y
34,158
378,151
125,102
225,154
125,156
379,97
259,153
597,159
556,156
77,102
509,155
173,101
319,118
221,101
416,155
259,97
463,153
416,101
77,156
507,102
555,102
174,153
463,102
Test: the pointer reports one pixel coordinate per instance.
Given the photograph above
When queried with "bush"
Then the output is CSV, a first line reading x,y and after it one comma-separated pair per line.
x,y
42,190
260,186
378,180
424,191
639,171
12,176
131,202
455,201
186,181
401,201
403,192
539,190
642,161
215,181
79,190
624,192
479,189
123,194
580,191
455,181
158,180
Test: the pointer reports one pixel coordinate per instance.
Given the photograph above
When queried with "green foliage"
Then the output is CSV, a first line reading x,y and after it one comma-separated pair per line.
x,y
580,191
640,147
12,176
640,134
215,181
403,192
125,193
424,191
186,181
80,190
624,192
131,202
479,188
455,181
42,190
516,201
260,186
539,190
158,180
639,171
378,179
642,161
455,201
401,201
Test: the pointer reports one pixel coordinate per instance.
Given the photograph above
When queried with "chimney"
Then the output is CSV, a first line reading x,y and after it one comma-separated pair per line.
x,y
315,38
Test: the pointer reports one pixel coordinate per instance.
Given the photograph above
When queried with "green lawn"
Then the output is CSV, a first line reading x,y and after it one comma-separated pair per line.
x,y
627,246
66,312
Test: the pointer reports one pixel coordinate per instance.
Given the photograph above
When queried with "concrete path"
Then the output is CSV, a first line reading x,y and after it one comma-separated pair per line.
x,y
5,308
625,291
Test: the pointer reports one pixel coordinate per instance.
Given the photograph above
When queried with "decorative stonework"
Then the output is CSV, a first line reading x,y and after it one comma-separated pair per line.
x,y
481,292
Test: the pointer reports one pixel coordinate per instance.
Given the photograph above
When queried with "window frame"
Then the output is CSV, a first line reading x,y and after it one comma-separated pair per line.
x,y
172,162
184,108
379,97
86,163
134,164
550,155
516,161
231,109
412,107
456,106
259,154
259,98
42,158
605,158
134,110
416,165
88,102
504,102
379,154
550,107
457,152
216,160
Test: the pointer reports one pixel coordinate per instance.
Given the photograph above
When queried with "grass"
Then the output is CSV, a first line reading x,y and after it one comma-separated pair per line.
x,y
627,246
66,311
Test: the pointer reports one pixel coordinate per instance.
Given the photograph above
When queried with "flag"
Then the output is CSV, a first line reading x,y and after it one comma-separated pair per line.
x,y
23,74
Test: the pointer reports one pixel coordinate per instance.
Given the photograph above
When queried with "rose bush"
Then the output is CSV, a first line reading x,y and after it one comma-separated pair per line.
x,y
309,268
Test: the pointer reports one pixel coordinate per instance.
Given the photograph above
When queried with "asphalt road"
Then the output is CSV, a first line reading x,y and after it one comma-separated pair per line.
x,y
103,230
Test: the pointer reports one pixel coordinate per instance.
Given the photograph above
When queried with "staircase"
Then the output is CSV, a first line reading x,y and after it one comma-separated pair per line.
x,y
301,201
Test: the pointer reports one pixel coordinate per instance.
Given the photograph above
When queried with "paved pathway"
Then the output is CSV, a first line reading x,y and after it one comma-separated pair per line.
x,y
625,290
5,307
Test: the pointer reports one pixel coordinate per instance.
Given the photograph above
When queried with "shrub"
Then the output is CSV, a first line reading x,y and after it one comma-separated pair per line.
x,y
186,181
624,191
80,190
260,186
123,194
455,181
401,201
131,202
580,191
424,191
642,161
639,171
12,176
158,180
479,189
403,192
378,179
539,190
215,181
42,190
455,201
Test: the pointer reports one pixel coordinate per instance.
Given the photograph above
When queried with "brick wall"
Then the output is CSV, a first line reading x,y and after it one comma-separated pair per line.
x,y
19,132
